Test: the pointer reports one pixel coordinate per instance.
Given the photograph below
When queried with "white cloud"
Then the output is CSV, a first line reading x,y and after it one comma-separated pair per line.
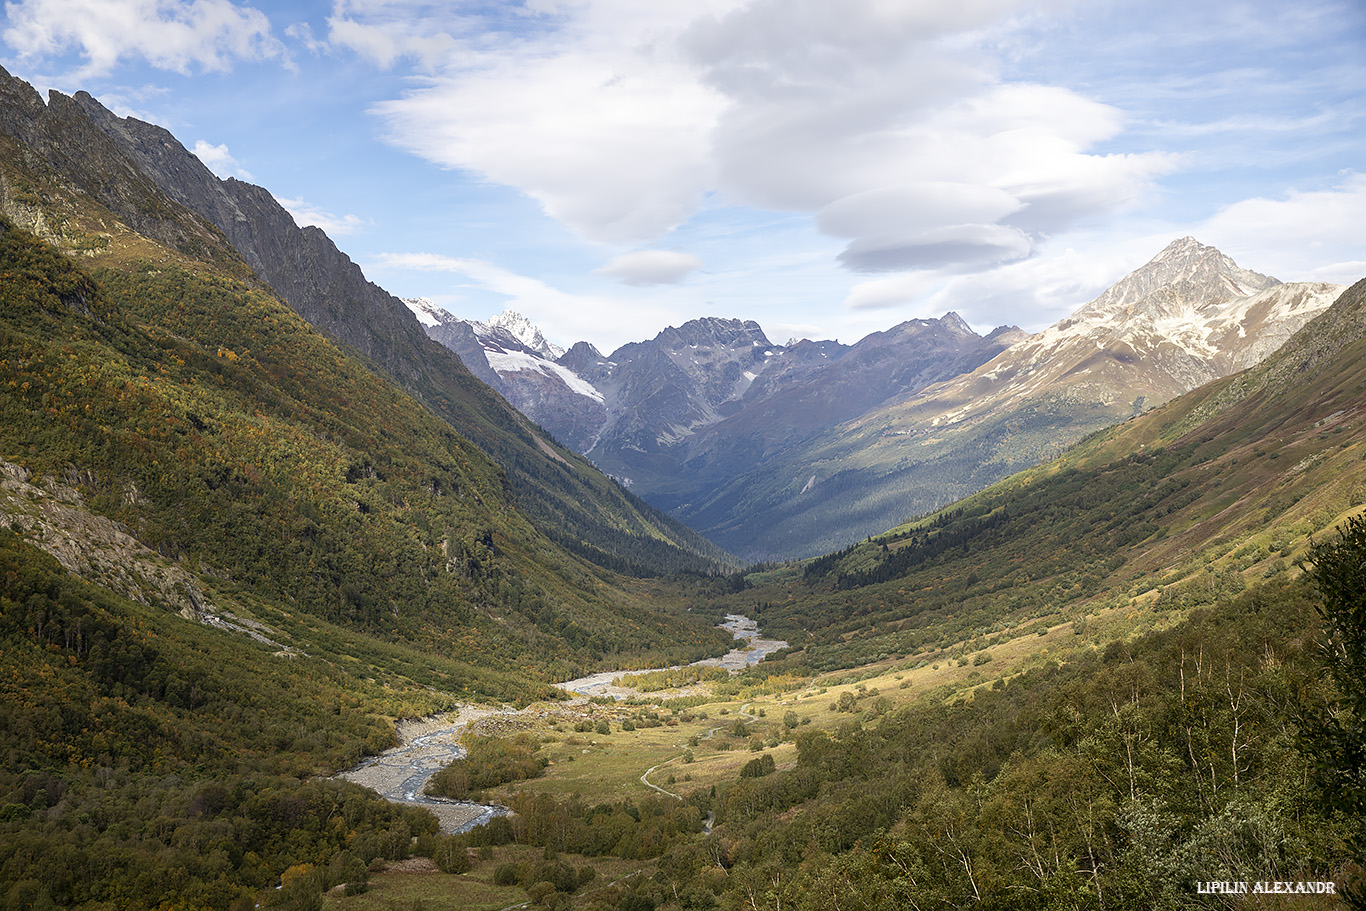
x,y
651,267
1031,293
915,206
305,213
402,36
169,35
1308,235
598,120
957,246
880,118
218,159
906,292
563,316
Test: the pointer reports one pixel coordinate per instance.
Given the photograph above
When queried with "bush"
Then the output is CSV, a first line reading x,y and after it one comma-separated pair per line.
x,y
635,901
758,767
451,856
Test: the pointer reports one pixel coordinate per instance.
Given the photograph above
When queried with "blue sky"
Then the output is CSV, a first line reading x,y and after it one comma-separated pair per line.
x,y
826,167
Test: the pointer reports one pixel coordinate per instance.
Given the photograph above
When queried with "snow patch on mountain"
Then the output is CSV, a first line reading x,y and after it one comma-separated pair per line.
x,y
426,312
505,362
525,331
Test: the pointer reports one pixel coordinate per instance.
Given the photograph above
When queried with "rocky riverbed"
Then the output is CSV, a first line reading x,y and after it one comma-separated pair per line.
x,y
754,650
427,745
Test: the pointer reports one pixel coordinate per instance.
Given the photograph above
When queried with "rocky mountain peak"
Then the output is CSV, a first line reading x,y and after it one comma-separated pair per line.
x,y
714,331
526,332
581,357
1186,276
955,323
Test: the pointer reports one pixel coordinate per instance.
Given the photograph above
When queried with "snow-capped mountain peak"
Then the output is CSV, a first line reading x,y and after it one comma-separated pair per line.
x,y
427,313
525,331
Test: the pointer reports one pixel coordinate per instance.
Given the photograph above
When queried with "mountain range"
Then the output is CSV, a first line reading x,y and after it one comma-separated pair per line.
x,y
770,451
251,515
63,156
780,451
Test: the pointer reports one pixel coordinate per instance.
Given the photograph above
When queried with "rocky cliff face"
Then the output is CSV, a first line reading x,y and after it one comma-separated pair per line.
x,y
826,385
705,402
76,157
680,416
302,265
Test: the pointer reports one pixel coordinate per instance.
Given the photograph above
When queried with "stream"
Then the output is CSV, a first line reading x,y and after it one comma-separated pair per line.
x,y
399,774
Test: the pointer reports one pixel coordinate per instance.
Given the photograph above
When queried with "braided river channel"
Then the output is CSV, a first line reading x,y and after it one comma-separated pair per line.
x,y
428,745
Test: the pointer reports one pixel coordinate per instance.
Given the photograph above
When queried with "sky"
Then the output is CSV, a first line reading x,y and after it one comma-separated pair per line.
x,y
828,168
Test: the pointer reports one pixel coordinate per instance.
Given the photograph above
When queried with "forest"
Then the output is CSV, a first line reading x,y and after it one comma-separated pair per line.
x,y
1119,674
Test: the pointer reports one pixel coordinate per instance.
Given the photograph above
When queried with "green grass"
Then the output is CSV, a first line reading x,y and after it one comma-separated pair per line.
x,y
436,891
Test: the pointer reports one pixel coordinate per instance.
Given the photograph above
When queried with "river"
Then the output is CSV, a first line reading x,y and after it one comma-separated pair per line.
x,y
754,650
399,774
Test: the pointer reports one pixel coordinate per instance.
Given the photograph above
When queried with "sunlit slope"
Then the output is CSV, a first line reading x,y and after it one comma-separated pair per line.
x,y
227,434
1179,507
1186,318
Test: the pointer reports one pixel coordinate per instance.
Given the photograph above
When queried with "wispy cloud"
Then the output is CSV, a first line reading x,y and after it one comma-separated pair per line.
x,y
846,111
564,316
305,213
1302,235
169,35
651,267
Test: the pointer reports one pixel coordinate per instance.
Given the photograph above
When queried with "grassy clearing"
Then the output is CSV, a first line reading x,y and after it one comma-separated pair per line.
x,y
473,891
417,883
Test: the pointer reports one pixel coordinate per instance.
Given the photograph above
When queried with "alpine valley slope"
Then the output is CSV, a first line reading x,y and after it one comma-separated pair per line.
x,y
150,185
1187,317
221,429
1189,504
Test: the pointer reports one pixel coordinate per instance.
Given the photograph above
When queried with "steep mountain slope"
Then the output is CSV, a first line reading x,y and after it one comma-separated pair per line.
x,y
147,181
223,432
807,390
512,356
1193,501
1188,316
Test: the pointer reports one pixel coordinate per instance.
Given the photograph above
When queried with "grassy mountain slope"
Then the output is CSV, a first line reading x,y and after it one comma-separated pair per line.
x,y
279,552
154,762
1099,670
1195,500
226,433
